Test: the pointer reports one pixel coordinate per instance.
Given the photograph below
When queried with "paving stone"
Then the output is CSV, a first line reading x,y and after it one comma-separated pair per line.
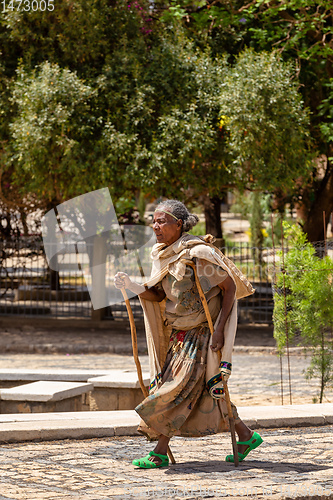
x,y
291,463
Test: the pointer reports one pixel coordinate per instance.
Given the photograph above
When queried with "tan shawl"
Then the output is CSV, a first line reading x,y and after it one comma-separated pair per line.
x,y
168,260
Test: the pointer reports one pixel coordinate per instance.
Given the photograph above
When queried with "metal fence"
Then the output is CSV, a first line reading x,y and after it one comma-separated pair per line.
x,y
29,288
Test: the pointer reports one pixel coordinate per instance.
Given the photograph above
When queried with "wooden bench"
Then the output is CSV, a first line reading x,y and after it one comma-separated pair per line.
x,y
45,396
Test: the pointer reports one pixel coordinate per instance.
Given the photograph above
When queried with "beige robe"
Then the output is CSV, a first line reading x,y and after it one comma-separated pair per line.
x,y
188,316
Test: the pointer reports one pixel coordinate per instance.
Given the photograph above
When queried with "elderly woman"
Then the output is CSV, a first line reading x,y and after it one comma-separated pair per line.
x,y
186,392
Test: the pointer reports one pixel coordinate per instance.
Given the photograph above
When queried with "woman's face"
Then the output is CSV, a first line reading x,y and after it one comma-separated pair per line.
x,y
166,228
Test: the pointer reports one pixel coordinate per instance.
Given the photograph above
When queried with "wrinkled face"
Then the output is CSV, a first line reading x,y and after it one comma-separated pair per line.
x,y
166,228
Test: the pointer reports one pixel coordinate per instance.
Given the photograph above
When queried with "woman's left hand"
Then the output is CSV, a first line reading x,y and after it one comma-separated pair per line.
x,y
122,280
217,341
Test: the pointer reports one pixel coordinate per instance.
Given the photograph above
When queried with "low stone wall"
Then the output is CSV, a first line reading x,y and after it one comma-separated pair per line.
x,y
106,399
27,392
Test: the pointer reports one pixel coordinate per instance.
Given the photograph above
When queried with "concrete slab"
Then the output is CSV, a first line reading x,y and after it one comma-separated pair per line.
x,y
16,374
69,425
45,391
120,379
288,415
80,425
45,431
114,416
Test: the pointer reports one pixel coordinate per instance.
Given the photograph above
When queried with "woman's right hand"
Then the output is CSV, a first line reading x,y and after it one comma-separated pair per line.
x,y
217,340
122,280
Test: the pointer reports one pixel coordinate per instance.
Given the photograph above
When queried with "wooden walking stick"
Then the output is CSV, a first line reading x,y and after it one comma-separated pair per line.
x,y
225,385
136,355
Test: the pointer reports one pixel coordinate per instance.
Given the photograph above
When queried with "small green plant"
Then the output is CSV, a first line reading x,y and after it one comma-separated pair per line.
x,y
303,310
198,229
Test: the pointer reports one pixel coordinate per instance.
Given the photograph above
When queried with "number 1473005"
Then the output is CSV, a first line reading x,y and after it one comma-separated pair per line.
x,y
27,5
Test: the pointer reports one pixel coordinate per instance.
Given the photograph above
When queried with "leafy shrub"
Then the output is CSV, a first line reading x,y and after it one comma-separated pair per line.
x,y
303,309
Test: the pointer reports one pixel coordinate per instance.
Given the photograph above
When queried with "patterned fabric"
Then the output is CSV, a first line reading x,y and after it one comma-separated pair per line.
x,y
215,392
181,402
183,307
170,260
155,381
226,365
225,369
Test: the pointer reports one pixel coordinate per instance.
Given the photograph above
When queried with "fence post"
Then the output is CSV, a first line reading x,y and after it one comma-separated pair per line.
x,y
98,272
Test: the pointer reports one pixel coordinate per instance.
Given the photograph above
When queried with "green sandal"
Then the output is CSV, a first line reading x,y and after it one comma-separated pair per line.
x,y
145,463
254,441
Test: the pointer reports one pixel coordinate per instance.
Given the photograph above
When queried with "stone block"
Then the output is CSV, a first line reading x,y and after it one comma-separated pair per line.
x,y
119,390
43,396
103,399
109,399
65,405
45,391
121,379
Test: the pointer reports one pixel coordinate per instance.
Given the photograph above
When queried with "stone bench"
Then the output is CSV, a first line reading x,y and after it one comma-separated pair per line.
x,y
111,389
13,377
45,396
119,390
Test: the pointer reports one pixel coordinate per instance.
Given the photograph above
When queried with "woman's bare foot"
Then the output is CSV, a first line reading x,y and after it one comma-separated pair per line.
x,y
162,446
244,434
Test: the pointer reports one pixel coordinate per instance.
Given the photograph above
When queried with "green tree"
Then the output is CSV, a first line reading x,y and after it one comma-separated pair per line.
x,y
49,132
64,131
304,304
266,122
301,31
150,115
247,129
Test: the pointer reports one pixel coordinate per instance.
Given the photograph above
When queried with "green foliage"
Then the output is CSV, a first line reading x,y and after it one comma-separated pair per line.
x,y
244,205
241,205
77,129
301,32
326,110
199,229
161,121
78,35
186,146
306,306
174,12
274,235
307,23
110,96
266,122
49,131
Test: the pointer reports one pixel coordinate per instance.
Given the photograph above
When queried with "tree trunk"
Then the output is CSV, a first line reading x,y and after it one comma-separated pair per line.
x,y
54,280
98,292
256,226
323,202
212,211
24,223
53,268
